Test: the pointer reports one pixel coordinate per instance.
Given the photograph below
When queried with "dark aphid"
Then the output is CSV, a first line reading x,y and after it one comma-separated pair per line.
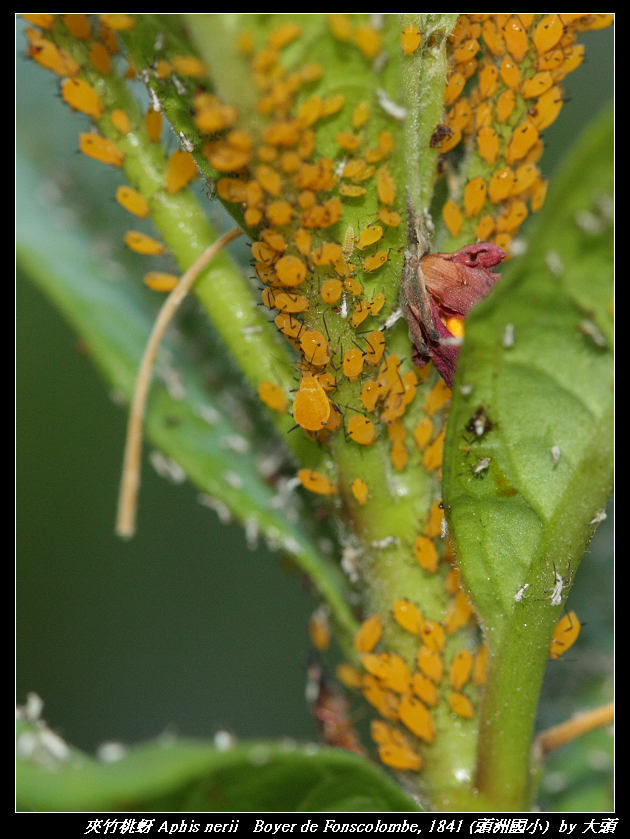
x,y
480,423
442,132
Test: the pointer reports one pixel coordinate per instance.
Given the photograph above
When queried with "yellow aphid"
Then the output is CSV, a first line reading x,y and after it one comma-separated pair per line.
x,y
310,111
539,193
360,115
461,705
158,281
375,346
283,35
316,482
548,33
537,85
352,190
315,348
378,301
423,433
353,364
426,554
101,149
375,261
460,669
180,171
119,23
453,217
516,39
328,253
291,271
369,236
369,634
433,527
82,97
385,701
274,239
500,186
141,243
78,25
289,326
327,381
393,748
279,213
547,108
331,291
458,612
410,39
47,55
488,78
349,676
303,241
429,661
564,635
341,26
391,670
353,286
437,398
132,201
510,73
484,228
292,303
120,121
389,217
41,20
407,615
454,88
524,178
505,105
474,197
488,144
163,69
385,186
311,407
524,138
480,666
434,453
368,40
153,124
347,140
414,714
361,430
273,396
361,311
452,586
397,432
433,635
100,59
399,455
319,630
333,105
512,217
369,395
189,66
425,689
360,490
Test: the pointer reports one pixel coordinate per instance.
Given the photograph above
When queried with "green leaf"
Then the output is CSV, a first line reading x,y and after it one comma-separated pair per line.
x,y
529,514
114,322
189,775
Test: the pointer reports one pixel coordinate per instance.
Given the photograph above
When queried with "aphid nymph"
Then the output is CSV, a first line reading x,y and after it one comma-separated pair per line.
x,y
480,423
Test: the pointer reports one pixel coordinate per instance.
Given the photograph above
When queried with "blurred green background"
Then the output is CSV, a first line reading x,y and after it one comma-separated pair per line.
x,y
183,629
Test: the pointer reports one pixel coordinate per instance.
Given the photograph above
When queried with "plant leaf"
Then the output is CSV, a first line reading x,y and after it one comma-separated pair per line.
x,y
189,775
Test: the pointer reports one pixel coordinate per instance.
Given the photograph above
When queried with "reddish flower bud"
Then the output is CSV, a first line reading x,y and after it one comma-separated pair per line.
x,y
454,282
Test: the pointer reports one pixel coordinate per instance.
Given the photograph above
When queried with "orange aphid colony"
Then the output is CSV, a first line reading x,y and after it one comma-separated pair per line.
x,y
517,62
